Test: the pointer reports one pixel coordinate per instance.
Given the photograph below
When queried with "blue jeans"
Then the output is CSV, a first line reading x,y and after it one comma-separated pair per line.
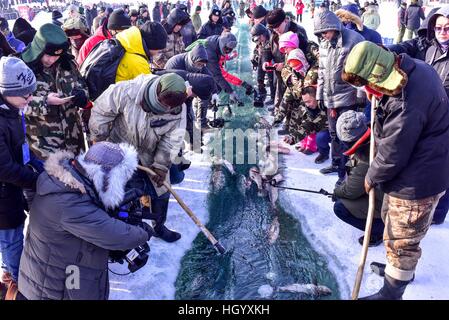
x,y
343,214
11,246
441,210
323,138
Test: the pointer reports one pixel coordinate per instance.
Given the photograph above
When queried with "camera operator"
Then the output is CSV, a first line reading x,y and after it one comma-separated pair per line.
x,y
70,228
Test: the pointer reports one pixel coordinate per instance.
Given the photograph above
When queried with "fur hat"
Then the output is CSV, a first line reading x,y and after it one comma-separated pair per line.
x,y
49,39
109,166
372,65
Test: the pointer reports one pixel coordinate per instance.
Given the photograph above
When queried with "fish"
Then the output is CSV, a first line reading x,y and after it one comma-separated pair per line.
x,y
255,176
278,147
225,163
273,231
311,289
227,112
218,180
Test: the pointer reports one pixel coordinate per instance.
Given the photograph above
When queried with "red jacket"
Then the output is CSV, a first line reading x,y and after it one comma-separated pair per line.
x,y
236,81
299,7
90,43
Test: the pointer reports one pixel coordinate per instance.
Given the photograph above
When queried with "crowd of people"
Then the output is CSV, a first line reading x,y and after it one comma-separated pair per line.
x,y
85,100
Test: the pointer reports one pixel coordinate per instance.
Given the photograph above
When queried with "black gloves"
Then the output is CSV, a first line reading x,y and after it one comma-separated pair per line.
x,y
249,88
255,64
148,229
79,98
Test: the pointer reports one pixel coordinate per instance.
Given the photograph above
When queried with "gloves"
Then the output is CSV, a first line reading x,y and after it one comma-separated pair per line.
x,y
160,176
215,99
255,64
248,88
233,97
148,229
80,98
321,105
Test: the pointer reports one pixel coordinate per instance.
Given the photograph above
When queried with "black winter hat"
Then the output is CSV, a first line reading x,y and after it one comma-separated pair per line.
x,y
259,30
259,12
154,35
215,12
198,8
275,18
134,13
56,15
119,20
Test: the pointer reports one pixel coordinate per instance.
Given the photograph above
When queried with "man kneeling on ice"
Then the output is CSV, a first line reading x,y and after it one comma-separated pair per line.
x,y
411,164
351,200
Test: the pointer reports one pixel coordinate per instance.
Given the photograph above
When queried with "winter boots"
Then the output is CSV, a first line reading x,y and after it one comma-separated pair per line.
x,y
332,168
392,290
321,158
379,269
374,241
159,208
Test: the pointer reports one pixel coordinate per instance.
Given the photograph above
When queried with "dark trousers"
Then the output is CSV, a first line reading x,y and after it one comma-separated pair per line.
x,y
337,148
280,90
442,208
323,138
343,214
261,80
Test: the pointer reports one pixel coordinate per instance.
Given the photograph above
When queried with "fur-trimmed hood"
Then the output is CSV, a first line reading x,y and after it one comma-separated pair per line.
x,y
346,16
110,186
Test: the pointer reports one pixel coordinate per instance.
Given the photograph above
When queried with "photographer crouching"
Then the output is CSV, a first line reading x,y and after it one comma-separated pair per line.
x,y
71,227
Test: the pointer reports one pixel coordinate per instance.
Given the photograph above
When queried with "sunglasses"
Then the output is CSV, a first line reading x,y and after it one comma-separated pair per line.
x,y
441,29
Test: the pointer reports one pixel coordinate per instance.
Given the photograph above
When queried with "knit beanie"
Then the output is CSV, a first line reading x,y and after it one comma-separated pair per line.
x,y
55,15
169,84
351,126
16,79
119,20
49,39
198,8
288,40
275,18
154,35
259,12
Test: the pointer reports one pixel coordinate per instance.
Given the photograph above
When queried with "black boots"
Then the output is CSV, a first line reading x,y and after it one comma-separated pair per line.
x,y
159,208
379,269
392,290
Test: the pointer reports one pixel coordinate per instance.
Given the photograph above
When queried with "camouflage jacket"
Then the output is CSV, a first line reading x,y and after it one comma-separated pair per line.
x,y
175,45
53,128
304,121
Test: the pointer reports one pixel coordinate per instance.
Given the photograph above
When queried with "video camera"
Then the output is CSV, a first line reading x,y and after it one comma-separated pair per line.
x,y
132,213
217,122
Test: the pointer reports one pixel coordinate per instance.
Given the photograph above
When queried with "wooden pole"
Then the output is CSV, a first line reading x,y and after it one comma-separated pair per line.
x,y
195,219
369,218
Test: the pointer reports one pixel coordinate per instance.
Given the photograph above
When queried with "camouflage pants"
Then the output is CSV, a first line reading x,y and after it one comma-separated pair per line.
x,y
406,224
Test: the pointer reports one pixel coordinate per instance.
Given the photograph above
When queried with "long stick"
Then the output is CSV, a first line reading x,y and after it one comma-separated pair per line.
x,y
369,218
321,191
205,231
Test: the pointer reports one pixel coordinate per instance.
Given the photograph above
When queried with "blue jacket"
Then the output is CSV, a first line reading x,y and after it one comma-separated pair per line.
x,y
349,16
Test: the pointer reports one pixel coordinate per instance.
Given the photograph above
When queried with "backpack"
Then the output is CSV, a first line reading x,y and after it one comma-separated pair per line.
x,y
100,67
